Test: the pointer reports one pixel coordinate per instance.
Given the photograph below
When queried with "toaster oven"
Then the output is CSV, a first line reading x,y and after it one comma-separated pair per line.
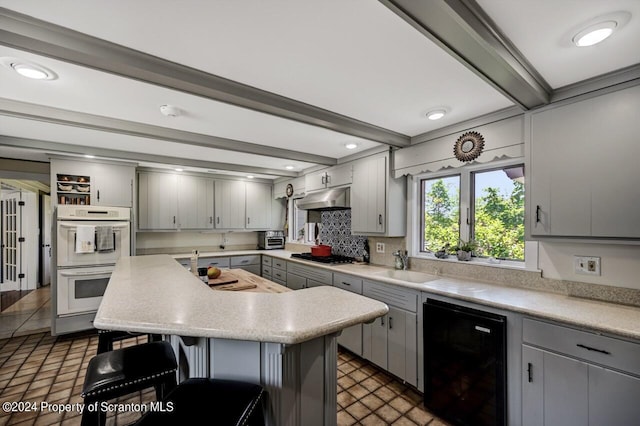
x,y
271,240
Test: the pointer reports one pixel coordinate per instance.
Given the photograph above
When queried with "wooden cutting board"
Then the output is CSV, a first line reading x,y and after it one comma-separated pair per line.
x,y
226,277
235,287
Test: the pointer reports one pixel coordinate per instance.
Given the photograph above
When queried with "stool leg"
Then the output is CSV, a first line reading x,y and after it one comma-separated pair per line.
x,y
163,389
93,418
105,344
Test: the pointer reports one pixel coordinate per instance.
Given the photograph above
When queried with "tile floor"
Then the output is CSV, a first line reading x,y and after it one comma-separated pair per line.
x,y
31,314
41,368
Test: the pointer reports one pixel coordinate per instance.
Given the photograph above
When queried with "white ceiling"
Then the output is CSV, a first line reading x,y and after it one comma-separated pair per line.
x,y
356,58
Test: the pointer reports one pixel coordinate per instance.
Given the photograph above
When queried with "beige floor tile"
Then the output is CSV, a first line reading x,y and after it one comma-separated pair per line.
x,y
420,415
358,410
345,419
372,402
388,413
403,421
401,404
345,399
358,391
372,420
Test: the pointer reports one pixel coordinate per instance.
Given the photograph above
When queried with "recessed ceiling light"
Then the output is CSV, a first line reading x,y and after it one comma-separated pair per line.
x,y
436,114
250,177
594,34
29,69
289,167
351,145
179,170
89,156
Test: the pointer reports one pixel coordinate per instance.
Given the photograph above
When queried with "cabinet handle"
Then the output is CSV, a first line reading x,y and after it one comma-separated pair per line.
x,y
98,195
346,283
218,220
390,323
537,214
379,219
174,220
382,321
323,180
530,372
328,179
248,220
210,219
602,351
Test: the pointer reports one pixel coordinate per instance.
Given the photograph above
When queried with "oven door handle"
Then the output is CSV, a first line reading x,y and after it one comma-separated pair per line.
x,y
75,225
83,274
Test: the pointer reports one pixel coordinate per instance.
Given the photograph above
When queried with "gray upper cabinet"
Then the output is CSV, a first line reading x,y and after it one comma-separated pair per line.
x,y
583,178
378,201
157,201
258,206
195,202
109,184
230,203
328,178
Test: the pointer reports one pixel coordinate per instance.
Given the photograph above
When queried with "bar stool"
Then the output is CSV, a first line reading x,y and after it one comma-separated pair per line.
x,y
122,371
202,401
107,337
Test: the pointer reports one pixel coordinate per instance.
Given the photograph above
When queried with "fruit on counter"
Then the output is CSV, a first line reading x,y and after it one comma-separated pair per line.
x,y
213,272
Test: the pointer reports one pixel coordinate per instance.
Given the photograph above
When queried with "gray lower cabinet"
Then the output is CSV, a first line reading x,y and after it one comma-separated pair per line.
x,y
303,276
351,337
391,341
251,263
560,389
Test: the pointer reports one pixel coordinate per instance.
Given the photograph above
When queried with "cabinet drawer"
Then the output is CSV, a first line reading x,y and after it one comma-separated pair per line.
x,y
347,282
266,271
315,274
280,264
220,262
266,260
278,281
278,275
607,351
245,260
392,295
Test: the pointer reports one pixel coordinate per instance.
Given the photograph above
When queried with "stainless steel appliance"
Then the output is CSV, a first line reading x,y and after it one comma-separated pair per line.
x,y
88,242
329,199
271,240
464,364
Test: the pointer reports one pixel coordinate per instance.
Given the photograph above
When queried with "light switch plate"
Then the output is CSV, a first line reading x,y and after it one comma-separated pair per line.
x,y
379,247
586,265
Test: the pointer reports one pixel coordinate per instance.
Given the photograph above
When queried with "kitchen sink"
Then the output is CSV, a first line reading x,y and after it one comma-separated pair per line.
x,y
402,275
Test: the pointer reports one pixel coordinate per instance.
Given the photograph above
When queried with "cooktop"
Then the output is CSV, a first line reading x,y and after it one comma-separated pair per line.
x,y
333,259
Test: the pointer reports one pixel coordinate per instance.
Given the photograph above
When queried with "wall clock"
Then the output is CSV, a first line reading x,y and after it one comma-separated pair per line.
x,y
469,146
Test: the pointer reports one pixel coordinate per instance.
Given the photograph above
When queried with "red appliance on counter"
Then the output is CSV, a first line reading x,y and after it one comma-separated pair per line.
x,y
321,250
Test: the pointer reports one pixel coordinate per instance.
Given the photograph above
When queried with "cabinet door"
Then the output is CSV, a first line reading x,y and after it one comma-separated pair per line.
x,y
566,400
351,339
379,341
315,181
254,269
314,283
112,185
229,206
368,196
397,342
259,206
532,386
613,398
195,202
296,282
339,175
561,171
157,200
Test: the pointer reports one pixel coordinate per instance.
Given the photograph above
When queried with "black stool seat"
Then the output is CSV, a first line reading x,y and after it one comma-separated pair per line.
x,y
210,401
120,372
107,337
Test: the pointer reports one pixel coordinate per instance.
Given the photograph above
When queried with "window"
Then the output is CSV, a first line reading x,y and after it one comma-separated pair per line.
x,y
498,213
299,223
441,212
485,205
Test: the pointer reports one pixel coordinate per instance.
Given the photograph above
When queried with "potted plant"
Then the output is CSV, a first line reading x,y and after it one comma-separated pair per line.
x,y
464,249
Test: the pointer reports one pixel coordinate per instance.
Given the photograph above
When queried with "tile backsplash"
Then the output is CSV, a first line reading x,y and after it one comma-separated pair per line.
x,y
335,231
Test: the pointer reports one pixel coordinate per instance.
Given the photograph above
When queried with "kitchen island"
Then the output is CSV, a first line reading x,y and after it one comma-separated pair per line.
x,y
284,341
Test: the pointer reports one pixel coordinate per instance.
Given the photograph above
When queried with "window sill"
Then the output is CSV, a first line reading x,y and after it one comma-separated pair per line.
x,y
505,264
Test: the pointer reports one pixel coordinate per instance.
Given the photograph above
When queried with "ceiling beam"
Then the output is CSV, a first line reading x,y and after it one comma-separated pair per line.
x,y
11,108
65,148
26,33
466,32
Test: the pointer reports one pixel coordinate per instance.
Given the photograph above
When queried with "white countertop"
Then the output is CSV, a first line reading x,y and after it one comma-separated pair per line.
x,y
604,317
155,294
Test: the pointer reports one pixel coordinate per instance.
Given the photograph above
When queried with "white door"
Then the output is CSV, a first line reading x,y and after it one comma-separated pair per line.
x,y
11,247
45,250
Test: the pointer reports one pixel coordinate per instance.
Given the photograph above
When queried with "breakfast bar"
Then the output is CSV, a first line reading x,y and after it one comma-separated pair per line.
x,y
284,340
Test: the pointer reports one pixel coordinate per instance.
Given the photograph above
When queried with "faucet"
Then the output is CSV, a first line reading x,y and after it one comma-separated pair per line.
x,y
402,260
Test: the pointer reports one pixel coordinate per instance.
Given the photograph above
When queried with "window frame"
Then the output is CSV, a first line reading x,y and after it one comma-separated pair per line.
x,y
415,225
422,201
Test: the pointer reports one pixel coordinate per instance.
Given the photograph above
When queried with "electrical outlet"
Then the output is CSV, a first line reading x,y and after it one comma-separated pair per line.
x,y
586,265
379,247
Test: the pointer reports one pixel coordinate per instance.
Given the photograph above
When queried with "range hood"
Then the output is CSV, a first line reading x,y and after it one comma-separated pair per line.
x,y
329,199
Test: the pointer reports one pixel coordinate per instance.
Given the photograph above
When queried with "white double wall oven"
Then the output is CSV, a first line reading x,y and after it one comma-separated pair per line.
x,y
83,270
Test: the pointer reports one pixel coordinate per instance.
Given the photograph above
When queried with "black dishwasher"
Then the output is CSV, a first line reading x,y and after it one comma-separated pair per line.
x,y
464,364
